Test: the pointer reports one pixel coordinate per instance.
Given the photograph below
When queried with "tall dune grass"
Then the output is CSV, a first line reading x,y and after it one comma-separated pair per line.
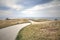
x,y
47,31
6,23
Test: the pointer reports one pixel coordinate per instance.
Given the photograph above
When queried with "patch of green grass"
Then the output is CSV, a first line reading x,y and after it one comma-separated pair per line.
x,y
40,20
47,31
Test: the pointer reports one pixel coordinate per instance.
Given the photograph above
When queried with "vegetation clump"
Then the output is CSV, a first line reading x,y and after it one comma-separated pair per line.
x,y
45,31
9,22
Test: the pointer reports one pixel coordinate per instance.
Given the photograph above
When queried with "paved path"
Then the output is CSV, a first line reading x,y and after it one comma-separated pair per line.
x,y
43,22
11,32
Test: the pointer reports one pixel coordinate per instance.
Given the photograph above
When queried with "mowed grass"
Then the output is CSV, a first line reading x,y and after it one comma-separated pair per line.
x,y
6,23
46,31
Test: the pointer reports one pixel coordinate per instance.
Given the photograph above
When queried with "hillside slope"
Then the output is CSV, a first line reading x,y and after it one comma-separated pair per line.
x,y
11,22
49,30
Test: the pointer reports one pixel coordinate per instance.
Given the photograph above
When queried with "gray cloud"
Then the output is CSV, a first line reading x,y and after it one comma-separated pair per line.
x,y
51,9
4,8
30,3
29,8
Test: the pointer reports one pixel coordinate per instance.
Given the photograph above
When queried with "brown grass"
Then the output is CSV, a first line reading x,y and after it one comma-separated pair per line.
x,y
40,20
47,31
6,23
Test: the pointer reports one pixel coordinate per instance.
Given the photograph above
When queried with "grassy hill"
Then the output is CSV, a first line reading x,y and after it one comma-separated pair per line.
x,y
10,22
49,30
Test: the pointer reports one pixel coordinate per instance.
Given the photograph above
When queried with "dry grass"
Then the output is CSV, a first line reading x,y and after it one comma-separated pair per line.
x,y
40,20
46,31
6,23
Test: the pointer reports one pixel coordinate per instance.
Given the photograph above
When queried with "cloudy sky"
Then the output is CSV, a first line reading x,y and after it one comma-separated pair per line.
x,y
29,8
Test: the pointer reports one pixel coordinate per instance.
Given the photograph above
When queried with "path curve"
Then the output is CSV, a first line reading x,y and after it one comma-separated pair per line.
x,y
10,33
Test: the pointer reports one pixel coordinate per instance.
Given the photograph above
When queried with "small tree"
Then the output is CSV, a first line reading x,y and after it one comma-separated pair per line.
x,y
56,19
7,19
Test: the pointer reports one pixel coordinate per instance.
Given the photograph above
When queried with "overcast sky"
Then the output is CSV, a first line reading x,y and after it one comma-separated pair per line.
x,y
29,8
